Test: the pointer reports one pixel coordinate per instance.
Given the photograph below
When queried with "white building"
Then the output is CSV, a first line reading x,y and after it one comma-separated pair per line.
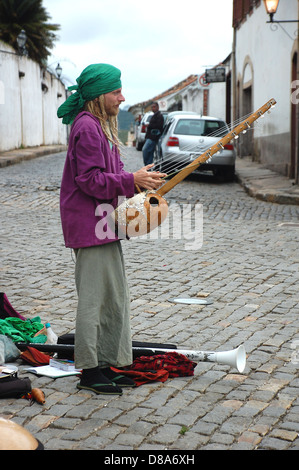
x,y
29,99
264,66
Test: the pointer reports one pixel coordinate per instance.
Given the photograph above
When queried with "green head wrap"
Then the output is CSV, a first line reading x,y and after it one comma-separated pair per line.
x,y
94,81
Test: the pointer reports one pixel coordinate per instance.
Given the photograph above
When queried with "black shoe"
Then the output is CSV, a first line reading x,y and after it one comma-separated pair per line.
x,y
104,389
94,380
118,379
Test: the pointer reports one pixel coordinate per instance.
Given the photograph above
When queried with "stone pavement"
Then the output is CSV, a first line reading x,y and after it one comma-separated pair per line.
x,y
247,266
258,181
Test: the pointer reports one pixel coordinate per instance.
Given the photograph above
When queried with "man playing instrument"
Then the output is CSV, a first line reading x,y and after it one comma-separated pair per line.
x,y
94,175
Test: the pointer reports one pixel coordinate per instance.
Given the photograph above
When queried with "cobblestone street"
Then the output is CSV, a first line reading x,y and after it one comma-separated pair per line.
x,y
247,266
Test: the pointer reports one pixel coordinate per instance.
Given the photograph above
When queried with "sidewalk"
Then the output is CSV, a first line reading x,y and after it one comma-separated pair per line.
x,y
258,181
18,155
264,184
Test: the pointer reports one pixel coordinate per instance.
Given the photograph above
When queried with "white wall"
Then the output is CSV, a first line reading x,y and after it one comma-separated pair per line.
x,y
263,59
217,100
193,99
270,53
28,113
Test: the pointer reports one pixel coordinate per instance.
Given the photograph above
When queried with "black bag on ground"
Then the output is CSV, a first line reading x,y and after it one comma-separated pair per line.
x,y
13,387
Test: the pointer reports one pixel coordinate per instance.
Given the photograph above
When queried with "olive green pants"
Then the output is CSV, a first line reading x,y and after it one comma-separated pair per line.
x,y
103,332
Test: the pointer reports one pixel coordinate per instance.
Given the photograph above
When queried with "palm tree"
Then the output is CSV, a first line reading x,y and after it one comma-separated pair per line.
x,y
31,16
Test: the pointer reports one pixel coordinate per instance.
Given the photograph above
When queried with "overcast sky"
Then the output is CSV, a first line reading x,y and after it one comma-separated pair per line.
x,y
155,43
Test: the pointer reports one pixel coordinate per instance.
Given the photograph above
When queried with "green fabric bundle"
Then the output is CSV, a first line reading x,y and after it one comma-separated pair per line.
x,y
22,330
95,80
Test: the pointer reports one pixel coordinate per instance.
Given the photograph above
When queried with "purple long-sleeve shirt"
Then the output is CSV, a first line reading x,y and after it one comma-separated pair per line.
x,y
93,175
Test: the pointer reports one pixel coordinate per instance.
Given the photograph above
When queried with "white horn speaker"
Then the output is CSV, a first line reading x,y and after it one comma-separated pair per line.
x,y
235,358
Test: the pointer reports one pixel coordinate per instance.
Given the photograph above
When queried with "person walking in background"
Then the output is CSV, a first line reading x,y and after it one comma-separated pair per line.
x,y
154,130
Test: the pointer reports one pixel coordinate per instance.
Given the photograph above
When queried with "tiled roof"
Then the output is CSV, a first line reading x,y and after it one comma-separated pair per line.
x,y
174,89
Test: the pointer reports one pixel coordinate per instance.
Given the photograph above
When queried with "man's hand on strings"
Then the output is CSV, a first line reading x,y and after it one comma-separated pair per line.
x,y
148,179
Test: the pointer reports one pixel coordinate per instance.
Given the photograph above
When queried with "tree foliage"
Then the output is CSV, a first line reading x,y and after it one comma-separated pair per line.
x,y
31,16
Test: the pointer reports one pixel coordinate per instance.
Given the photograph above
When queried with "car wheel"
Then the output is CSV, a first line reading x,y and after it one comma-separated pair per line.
x,y
227,173
162,167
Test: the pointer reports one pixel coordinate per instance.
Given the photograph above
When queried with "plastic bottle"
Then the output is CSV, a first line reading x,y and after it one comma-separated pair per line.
x,y
52,337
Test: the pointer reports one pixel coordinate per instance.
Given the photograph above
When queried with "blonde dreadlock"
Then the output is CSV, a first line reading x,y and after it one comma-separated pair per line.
x,y
109,124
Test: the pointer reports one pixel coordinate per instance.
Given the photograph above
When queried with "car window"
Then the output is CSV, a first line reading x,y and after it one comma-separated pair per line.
x,y
189,127
215,128
200,127
166,127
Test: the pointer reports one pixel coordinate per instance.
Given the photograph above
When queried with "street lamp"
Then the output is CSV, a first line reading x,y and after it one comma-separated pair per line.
x,y
271,8
58,70
21,41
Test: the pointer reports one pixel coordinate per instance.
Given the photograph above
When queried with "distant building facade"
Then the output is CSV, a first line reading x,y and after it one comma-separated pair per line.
x,y
264,66
191,94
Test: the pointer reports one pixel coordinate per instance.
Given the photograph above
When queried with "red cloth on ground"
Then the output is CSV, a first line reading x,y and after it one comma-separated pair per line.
x,y
158,368
144,377
176,364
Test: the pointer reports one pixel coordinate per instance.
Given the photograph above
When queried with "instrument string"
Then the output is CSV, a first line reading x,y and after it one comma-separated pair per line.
x,y
169,165
231,126
172,167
